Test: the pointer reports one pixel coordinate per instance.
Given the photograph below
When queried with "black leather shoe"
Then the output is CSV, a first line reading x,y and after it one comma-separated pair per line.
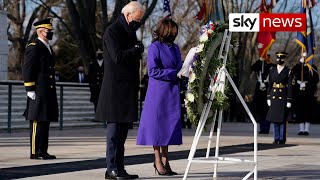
x,y
47,156
35,156
169,170
115,175
132,176
282,142
275,142
306,133
300,133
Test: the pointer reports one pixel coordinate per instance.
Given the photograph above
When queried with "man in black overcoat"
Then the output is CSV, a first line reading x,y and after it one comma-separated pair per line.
x,y
80,76
279,97
117,103
39,81
96,71
304,82
259,106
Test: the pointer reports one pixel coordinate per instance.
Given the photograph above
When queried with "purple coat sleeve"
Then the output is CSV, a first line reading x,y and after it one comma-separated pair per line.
x,y
156,69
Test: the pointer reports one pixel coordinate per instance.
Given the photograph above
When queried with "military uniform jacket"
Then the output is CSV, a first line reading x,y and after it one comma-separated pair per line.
x,y
95,80
39,76
279,92
118,99
259,105
304,101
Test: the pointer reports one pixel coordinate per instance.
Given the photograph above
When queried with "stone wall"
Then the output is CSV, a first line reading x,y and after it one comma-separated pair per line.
x,y
4,49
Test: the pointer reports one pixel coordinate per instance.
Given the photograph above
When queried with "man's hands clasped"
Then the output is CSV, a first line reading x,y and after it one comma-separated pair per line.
x,y
140,46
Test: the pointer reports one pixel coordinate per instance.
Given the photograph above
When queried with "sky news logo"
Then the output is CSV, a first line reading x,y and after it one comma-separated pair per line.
x,y
255,22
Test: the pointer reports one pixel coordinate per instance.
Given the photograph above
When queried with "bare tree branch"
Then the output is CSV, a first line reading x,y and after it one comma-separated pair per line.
x,y
48,8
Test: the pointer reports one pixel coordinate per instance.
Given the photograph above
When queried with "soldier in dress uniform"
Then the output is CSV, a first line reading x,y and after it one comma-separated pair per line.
x,y
279,97
261,69
39,81
95,77
304,83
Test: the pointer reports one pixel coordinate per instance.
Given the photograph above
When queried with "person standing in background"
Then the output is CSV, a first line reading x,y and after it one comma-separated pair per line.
x,y
304,82
118,101
80,76
39,81
259,106
96,71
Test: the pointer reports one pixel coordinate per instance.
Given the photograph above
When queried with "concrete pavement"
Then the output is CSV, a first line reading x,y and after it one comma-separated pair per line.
x,y
81,155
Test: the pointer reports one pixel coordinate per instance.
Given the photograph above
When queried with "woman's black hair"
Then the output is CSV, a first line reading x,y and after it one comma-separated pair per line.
x,y
164,30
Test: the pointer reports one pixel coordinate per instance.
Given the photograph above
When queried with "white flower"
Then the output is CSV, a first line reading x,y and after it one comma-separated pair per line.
x,y
203,37
202,62
200,48
190,97
210,31
192,77
186,101
260,45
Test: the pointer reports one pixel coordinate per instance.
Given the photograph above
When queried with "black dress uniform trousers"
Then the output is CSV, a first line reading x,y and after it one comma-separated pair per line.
x,y
39,136
116,137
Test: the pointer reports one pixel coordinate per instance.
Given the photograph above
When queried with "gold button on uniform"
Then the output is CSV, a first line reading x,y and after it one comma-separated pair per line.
x,y
273,97
50,76
280,97
274,90
51,86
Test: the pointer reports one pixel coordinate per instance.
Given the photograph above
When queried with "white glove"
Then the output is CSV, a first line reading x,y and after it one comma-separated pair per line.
x,y
302,85
302,60
262,86
288,105
31,94
269,102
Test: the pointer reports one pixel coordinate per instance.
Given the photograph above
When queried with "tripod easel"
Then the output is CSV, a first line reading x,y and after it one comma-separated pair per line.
x,y
219,86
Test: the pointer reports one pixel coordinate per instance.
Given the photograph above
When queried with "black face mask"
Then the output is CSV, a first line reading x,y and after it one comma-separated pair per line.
x,y
99,57
134,25
49,35
170,39
280,62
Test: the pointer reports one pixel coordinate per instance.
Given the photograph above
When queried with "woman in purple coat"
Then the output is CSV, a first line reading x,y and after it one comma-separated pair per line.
x,y
160,120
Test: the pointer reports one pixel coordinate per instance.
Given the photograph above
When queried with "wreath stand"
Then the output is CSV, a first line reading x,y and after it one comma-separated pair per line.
x,y
219,86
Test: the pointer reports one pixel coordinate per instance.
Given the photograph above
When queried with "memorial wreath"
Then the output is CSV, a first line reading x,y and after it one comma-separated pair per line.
x,y
204,68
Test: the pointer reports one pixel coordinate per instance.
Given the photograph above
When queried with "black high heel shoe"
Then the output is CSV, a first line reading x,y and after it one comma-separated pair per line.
x,y
156,171
169,170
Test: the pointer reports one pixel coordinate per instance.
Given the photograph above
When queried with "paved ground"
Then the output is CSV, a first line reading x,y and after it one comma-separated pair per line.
x,y
81,155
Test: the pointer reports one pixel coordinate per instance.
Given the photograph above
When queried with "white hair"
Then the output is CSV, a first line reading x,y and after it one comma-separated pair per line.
x,y
132,7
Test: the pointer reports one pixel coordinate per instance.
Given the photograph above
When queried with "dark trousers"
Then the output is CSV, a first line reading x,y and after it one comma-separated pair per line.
x,y
264,125
95,106
116,137
280,132
39,136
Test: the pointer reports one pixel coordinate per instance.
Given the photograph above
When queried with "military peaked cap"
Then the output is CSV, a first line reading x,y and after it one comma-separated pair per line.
x,y
281,55
45,23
